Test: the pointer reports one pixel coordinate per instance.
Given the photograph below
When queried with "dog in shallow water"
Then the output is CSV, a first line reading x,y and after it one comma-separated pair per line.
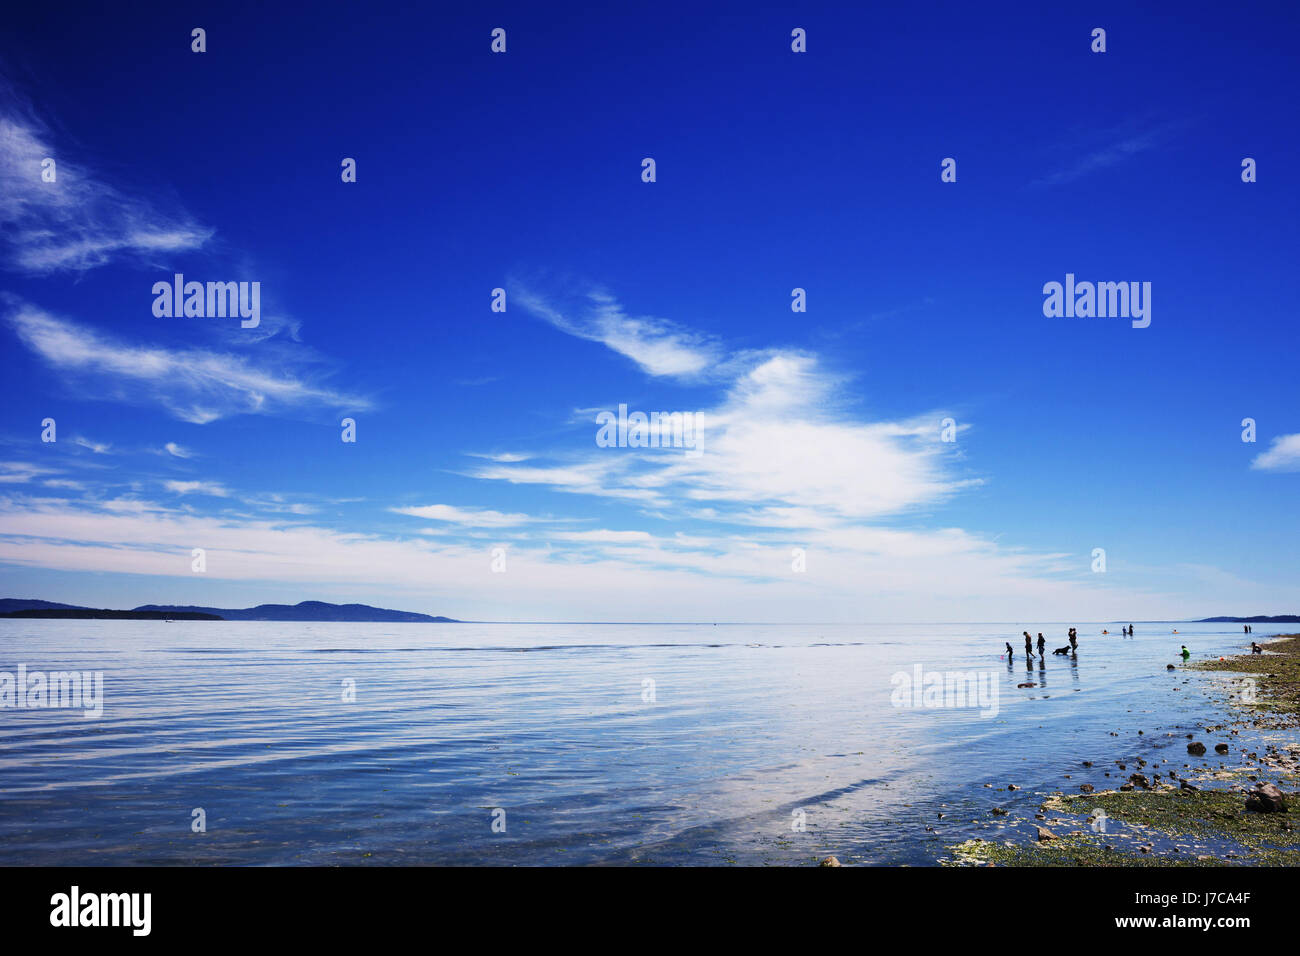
x,y
1062,650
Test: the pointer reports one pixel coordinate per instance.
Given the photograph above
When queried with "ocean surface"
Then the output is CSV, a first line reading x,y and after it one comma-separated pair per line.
x,y
527,744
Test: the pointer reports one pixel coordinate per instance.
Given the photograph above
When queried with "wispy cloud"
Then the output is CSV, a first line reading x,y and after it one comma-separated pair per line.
x,y
177,451
78,222
469,517
870,573
20,472
504,456
755,469
657,346
99,448
1282,455
212,488
1109,147
194,385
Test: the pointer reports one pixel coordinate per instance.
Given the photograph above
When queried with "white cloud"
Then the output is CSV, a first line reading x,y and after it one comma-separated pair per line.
x,y
469,517
868,574
504,457
1282,455
755,466
99,448
194,385
197,488
605,536
177,451
64,483
21,472
659,347
77,222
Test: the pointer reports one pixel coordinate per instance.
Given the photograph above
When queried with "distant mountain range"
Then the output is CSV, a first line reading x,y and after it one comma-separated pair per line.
x,y
1257,619
306,611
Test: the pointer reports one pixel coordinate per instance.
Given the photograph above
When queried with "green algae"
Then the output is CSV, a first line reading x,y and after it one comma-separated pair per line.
x,y
1276,677
1170,826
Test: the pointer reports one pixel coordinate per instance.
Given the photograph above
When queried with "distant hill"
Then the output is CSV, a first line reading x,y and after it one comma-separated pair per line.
x,y
9,605
306,611
103,614
1257,619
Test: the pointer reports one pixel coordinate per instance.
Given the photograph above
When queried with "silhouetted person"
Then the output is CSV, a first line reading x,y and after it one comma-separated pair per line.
x,y
1010,652
1042,643
1074,640
1029,645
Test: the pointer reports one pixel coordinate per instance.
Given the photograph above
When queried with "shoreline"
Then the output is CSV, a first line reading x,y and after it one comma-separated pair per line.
x,y
1188,811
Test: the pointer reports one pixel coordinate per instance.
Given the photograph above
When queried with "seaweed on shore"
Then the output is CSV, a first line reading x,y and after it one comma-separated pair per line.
x,y
1168,827
1276,677
1178,826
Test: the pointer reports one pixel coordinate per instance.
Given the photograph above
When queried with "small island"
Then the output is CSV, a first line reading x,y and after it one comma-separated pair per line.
x,y
312,611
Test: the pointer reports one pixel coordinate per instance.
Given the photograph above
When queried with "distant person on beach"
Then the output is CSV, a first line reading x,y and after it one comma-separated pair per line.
x,y
1029,644
1074,640
1042,643
1010,652
1186,652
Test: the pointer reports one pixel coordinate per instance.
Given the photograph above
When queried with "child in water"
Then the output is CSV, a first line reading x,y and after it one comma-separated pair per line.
x,y
1186,652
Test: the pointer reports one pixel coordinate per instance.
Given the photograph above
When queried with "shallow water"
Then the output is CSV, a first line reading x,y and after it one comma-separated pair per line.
x,y
746,732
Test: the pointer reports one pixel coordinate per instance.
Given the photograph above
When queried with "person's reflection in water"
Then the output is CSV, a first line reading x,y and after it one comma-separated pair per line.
x,y
1074,667
1042,671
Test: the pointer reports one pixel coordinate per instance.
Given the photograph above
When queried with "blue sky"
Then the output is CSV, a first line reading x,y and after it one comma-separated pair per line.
x,y
775,170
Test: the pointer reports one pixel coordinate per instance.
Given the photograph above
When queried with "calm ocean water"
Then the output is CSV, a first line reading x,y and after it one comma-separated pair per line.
x,y
745,731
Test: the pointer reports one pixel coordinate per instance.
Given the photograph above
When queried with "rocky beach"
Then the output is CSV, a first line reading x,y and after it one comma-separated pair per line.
x,y
1219,794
